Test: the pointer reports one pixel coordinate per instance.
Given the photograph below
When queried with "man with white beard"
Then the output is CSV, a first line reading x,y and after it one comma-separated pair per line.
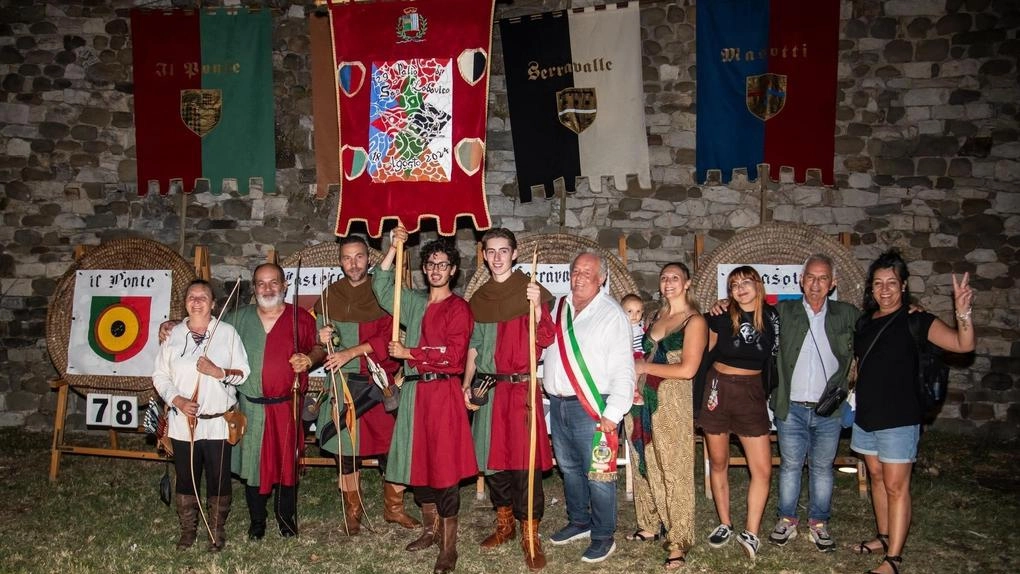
x,y
265,458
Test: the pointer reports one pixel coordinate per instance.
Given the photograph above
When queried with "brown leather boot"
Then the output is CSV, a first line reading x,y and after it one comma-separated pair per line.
x,y
187,513
505,528
219,509
529,532
447,559
393,507
353,512
430,525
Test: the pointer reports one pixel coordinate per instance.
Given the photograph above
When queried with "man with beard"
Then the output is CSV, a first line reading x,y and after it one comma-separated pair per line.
x,y
431,449
360,328
265,458
499,357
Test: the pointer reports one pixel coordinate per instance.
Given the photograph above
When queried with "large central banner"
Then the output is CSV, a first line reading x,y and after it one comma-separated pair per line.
x,y
412,82
573,80
767,86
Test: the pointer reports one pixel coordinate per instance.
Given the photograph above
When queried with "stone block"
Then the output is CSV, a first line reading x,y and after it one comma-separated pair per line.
x,y
11,113
1009,150
1000,67
1007,170
898,51
916,69
926,97
957,68
918,113
860,180
946,112
914,7
935,50
954,23
930,127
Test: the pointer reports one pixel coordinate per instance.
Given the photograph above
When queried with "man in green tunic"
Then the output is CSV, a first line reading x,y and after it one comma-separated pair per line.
x,y
360,329
266,458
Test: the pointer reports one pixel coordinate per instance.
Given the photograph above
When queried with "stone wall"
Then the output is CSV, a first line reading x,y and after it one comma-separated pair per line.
x,y
926,160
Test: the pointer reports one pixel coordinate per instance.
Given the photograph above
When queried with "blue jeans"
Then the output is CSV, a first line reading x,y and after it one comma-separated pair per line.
x,y
590,503
806,435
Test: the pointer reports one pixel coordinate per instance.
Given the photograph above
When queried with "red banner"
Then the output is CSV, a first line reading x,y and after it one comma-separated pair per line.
x,y
412,91
801,136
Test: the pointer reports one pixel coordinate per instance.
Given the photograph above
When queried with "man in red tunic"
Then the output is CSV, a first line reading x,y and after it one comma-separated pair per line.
x,y
431,448
499,358
359,329
265,459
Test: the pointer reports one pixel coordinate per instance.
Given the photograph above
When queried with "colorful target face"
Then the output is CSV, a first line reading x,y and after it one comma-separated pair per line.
x,y
116,328
120,326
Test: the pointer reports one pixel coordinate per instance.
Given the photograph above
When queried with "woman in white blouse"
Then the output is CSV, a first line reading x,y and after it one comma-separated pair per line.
x,y
196,373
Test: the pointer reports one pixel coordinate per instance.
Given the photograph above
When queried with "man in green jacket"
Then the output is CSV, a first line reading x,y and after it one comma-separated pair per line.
x,y
815,349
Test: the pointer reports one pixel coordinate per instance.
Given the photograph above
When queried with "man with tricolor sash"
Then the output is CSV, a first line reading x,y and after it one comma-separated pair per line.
x,y
431,449
589,378
359,331
496,387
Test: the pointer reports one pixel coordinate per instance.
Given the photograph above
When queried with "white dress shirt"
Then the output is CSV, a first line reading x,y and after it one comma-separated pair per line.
x,y
603,333
175,374
814,364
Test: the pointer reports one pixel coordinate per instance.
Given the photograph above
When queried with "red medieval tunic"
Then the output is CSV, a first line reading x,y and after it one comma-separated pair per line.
x,y
265,456
432,440
502,428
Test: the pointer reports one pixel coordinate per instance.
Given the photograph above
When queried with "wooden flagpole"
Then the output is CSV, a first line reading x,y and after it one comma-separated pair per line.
x,y
532,388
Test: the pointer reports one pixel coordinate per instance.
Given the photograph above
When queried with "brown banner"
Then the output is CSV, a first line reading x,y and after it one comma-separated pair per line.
x,y
326,131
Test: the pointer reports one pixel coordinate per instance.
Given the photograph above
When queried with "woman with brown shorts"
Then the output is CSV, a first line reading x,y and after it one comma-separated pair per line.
x,y
743,344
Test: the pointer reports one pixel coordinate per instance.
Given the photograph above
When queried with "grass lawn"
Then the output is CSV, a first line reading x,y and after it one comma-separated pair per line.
x,y
104,515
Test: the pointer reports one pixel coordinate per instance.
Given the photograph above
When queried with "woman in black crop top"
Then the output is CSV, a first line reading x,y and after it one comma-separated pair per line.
x,y
743,343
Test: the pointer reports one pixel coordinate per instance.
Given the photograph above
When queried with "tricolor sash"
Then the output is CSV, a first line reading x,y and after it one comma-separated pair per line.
x,y
604,446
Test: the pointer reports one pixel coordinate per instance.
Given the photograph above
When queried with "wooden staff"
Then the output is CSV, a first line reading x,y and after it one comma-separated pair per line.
x,y
532,388
397,284
295,390
335,407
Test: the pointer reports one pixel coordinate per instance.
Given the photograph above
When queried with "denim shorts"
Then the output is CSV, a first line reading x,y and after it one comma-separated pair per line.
x,y
895,445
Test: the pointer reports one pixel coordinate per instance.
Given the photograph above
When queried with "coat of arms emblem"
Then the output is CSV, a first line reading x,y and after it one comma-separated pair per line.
x,y
411,26
201,110
576,108
765,95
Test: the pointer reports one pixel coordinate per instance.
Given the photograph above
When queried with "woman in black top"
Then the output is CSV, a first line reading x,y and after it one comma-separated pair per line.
x,y
889,408
743,343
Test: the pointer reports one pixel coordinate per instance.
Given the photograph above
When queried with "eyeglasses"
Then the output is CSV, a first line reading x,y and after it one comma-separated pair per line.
x,y
440,265
745,284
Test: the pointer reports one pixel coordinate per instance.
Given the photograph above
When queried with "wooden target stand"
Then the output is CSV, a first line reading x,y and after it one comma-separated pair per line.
x,y
59,445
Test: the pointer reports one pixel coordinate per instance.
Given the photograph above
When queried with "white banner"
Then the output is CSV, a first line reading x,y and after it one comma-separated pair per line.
x,y
311,283
115,321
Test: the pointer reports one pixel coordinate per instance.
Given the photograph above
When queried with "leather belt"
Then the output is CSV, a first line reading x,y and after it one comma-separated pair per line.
x,y
207,417
566,398
427,377
357,377
804,404
506,378
266,400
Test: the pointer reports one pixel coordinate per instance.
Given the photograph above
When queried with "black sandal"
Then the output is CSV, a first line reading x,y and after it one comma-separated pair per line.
x,y
893,561
863,547
675,563
637,536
